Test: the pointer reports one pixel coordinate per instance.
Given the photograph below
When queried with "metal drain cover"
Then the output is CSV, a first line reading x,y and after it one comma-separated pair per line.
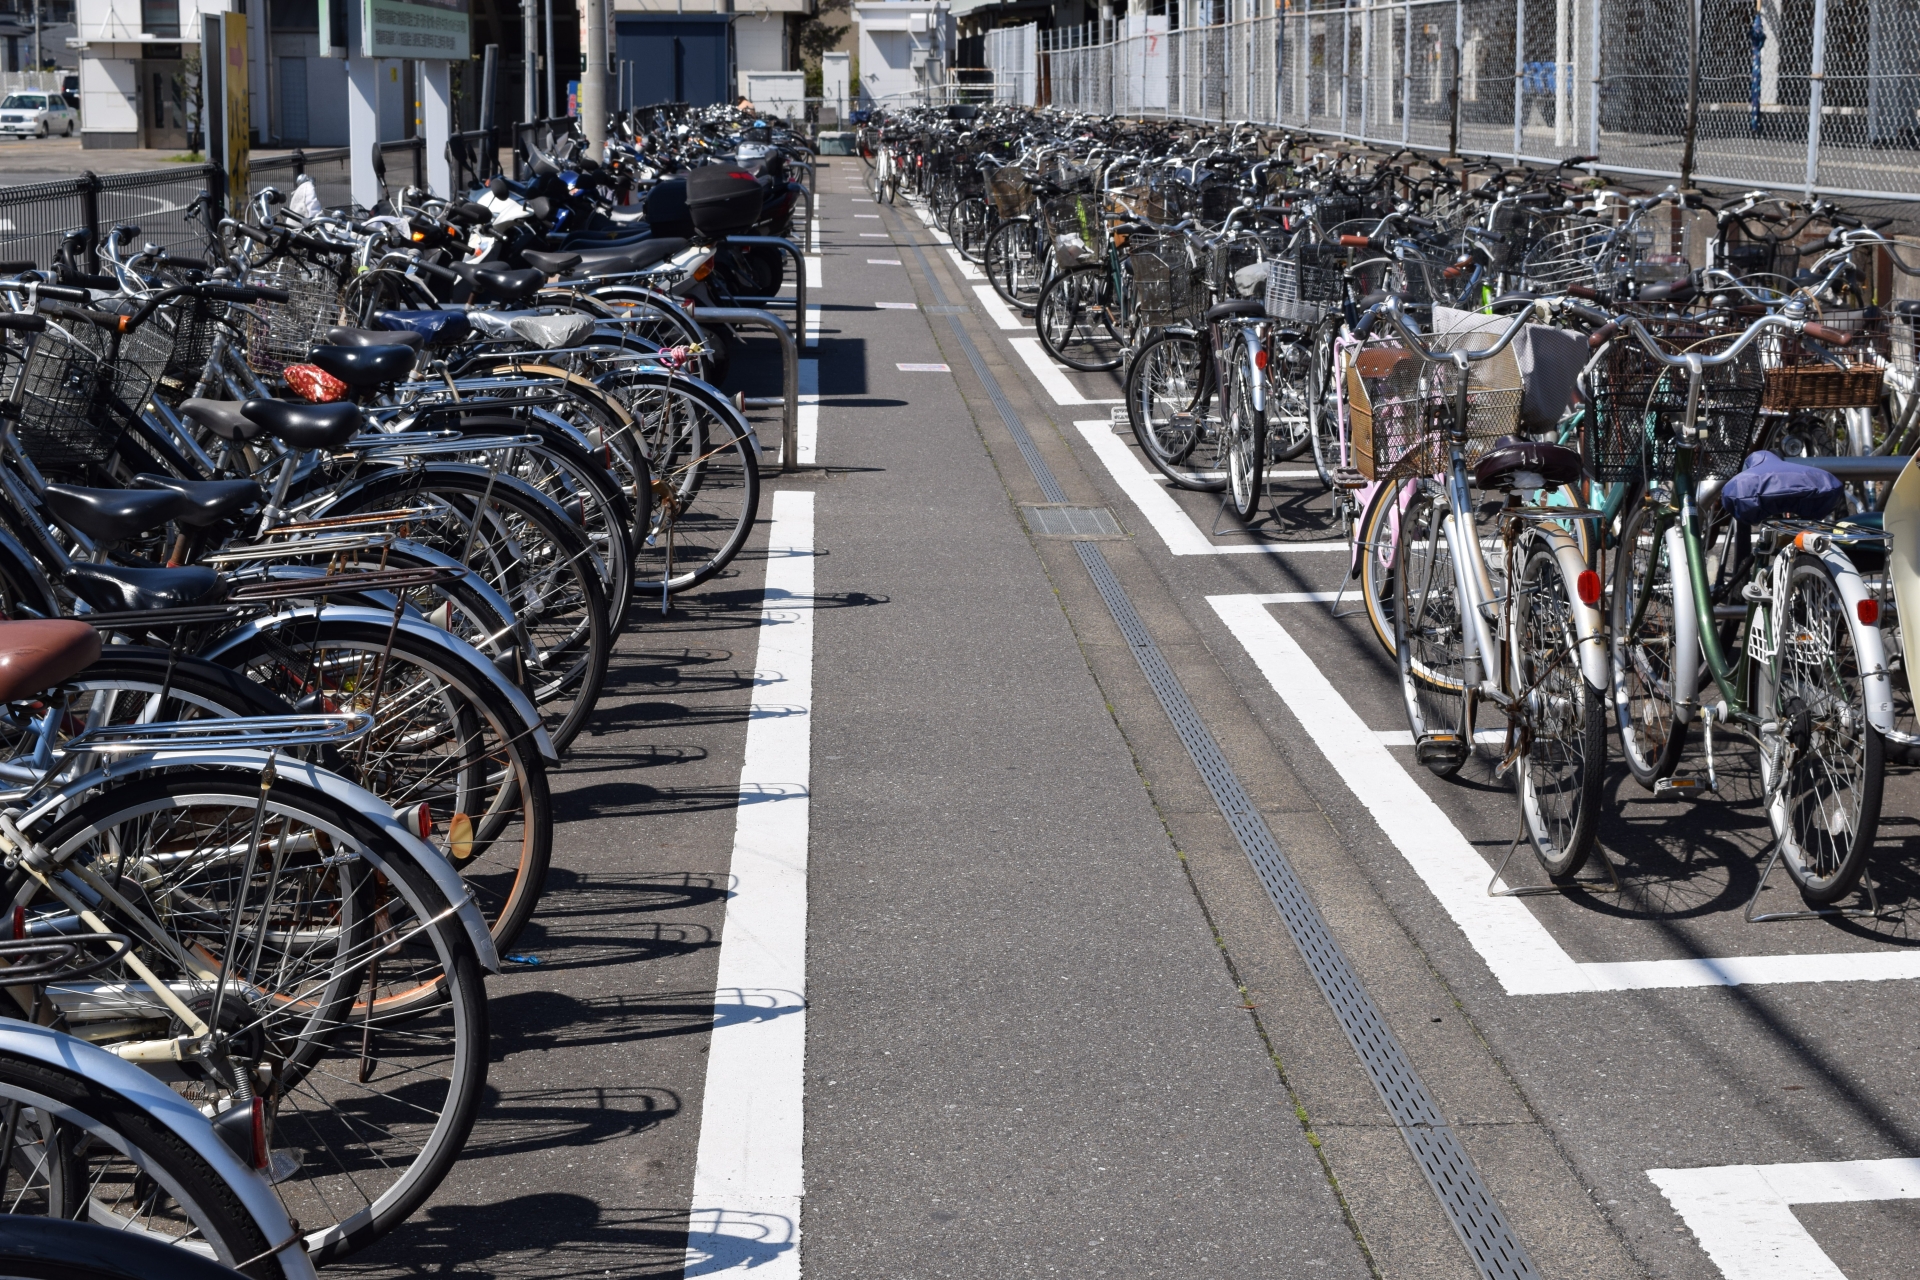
x,y
1056,520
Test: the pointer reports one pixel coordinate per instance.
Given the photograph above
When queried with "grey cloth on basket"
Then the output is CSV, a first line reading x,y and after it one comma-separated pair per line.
x,y
1549,359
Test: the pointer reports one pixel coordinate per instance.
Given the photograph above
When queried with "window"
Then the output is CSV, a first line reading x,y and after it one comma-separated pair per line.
x,y
23,102
160,17
296,15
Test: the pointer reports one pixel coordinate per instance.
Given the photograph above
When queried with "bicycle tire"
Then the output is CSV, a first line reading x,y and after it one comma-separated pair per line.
x,y
1429,640
1015,265
1645,658
1561,769
1245,433
1074,319
1169,387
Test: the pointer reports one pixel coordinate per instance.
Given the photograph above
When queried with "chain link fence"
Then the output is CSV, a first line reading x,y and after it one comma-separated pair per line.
x,y
1813,95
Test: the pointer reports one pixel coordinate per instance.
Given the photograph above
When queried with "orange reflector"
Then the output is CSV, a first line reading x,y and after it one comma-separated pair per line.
x,y
460,837
1260,359
1588,584
704,270
1868,611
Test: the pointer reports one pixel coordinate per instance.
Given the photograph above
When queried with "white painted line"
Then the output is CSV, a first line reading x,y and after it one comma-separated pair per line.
x,y
967,270
1300,597
997,308
897,306
874,216
861,200
748,1175
1741,1213
807,427
875,235
1051,375
813,327
1175,527
883,262
922,368
813,273
1523,956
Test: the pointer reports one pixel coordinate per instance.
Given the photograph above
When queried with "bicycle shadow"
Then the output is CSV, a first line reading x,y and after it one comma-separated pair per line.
x,y
540,1235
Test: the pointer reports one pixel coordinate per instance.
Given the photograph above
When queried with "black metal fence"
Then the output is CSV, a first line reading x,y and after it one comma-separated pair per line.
x,y
38,217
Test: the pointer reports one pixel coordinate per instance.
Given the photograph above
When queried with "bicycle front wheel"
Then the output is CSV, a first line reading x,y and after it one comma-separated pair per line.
x,y
1075,321
1246,443
1561,729
1169,393
1429,635
1013,263
1646,638
1823,763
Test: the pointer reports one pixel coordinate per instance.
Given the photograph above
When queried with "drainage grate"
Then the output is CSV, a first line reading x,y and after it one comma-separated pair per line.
x,y
1476,1216
1072,522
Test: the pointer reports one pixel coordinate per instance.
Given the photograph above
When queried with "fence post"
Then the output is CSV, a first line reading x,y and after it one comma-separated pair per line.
x,y
1346,60
1816,92
1593,125
1453,113
1519,73
90,212
1693,100
1406,76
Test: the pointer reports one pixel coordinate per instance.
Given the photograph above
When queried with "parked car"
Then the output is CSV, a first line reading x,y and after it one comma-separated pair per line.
x,y
33,113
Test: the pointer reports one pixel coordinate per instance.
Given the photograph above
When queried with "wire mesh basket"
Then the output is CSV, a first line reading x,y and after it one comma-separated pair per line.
x,y
167,354
281,333
1639,407
1077,229
1579,253
1401,409
1161,200
1660,242
1227,268
1011,188
1331,210
59,403
1217,200
1300,288
1169,284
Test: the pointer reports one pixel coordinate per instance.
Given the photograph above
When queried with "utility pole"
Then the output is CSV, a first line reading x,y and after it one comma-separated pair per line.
x,y
593,78
552,109
39,57
530,31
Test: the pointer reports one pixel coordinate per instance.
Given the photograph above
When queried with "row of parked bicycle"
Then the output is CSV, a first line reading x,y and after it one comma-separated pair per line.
x,y
1614,467
315,549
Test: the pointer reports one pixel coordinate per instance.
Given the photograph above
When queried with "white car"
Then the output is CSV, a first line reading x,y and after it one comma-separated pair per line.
x,y
35,114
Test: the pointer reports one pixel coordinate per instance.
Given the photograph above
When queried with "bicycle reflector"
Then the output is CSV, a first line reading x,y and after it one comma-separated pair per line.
x,y
1868,611
243,1127
1588,584
423,821
1260,359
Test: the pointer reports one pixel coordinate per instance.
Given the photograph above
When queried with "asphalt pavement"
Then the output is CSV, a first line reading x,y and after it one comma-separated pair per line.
x,y
1053,1021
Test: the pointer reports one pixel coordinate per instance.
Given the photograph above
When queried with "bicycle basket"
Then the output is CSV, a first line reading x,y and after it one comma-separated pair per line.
x,y
281,333
1169,286
1639,405
1077,230
1012,190
1401,408
1227,267
1300,289
1581,253
59,411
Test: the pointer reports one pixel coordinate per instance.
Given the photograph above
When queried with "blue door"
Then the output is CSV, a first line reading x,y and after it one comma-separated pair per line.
x,y
675,58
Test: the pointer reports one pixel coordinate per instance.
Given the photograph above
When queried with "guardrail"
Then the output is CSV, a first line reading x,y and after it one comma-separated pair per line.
x,y
41,215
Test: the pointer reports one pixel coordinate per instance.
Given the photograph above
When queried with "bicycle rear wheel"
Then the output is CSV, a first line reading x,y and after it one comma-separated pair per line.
x,y
1245,435
1075,320
1169,393
1562,759
1015,265
1645,637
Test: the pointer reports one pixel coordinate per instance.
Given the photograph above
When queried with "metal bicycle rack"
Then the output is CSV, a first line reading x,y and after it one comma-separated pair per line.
x,y
790,357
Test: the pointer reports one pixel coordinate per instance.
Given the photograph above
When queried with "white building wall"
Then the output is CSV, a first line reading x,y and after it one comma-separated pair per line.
x,y
109,97
759,44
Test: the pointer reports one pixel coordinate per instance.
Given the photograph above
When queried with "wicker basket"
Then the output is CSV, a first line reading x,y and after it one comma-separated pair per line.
x,y
1638,406
1823,386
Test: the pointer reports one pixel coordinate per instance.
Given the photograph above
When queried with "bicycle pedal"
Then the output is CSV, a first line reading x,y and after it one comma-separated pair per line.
x,y
1348,478
1679,788
1441,748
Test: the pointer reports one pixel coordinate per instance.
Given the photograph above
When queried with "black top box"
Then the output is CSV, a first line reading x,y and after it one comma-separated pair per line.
x,y
724,199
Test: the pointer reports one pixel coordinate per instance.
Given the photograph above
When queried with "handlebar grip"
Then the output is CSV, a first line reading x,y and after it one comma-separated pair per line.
x,y
1602,336
61,293
23,321
16,268
1586,291
100,319
252,233
311,245
1356,242
1832,337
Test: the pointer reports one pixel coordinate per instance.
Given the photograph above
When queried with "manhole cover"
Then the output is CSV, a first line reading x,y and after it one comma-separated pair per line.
x,y
1056,521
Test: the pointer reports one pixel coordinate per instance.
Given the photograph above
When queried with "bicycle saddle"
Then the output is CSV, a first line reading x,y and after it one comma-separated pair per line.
x,y
507,286
552,264
35,656
222,417
212,500
113,515
309,426
341,335
113,588
1554,463
364,367
1236,307
434,328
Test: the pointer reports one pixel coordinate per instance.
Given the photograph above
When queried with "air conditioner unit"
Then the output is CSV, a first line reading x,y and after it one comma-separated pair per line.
x,y
917,59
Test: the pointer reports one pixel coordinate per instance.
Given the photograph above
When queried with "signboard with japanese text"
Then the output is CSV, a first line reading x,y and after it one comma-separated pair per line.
x,y
413,29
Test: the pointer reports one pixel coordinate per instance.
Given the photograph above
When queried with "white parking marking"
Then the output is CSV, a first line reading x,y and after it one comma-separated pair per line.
x,y
1051,375
897,306
883,262
874,216
813,327
1168,518
1743,1218
813,273
874,235
808,422
748,1174
1002,314
967,270
922,368
1524,957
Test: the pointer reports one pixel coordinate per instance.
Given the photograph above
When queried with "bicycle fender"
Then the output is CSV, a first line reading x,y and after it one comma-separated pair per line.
x,y
1253,344
1876,685
435,863
1686,629
1902,520
420,628
1596,662
71,1054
